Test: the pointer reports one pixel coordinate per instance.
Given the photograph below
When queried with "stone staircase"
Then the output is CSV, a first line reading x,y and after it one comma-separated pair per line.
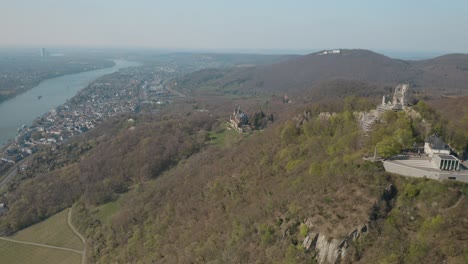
x,y
367,120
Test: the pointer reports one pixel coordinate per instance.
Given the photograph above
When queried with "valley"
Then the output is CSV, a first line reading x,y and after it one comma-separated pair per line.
x,y
192,181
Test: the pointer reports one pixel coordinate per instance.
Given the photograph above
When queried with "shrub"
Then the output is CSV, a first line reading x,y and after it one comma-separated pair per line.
x,y
303,230
267,234
411,190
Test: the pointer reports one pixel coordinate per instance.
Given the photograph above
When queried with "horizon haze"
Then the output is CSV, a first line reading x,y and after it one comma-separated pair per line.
x,y
397,26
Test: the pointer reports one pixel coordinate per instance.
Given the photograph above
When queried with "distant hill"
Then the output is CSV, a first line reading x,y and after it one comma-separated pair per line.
x,y
445,75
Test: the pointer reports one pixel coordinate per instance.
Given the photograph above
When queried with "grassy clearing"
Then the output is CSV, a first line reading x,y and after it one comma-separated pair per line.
x,y
105,212
217,137
225,136
53,231
14,253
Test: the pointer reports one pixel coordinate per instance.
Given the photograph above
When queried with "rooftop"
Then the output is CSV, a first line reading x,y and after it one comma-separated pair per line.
x,y
447,157
436,142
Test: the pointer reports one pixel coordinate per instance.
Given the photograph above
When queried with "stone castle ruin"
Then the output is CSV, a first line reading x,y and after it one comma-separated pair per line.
x,y
400,99
399,102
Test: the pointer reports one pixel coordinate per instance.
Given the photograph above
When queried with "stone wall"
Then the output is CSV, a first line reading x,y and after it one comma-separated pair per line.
x,y
454,176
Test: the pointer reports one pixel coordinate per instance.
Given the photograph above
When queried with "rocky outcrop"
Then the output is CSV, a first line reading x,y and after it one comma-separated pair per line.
x,y
326,115
310,241
307,115
332,250
358,232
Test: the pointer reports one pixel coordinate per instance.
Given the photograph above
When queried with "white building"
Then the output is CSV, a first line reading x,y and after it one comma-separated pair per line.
x,y
435,145
446,162
326,52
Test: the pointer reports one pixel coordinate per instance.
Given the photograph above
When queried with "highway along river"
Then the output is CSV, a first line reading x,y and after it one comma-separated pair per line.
x,y
47,95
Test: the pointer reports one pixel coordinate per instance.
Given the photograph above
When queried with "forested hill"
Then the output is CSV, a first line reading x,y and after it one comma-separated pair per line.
x,y
435,77
181,187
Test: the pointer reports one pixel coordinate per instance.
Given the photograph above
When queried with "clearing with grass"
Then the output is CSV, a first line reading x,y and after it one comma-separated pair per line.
x,y
15,253
50,241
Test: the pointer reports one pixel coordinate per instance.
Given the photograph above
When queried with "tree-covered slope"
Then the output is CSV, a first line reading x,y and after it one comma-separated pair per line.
x,y
162,191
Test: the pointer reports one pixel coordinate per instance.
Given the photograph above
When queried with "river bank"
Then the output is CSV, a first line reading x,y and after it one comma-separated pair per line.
x,y
19,74
24,108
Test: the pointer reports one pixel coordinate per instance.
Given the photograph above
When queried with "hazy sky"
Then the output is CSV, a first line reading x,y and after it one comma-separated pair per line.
x,y
412,25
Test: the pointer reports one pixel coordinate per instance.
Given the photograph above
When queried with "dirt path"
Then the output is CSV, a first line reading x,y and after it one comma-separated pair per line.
x,y
41,245
83,240
456,204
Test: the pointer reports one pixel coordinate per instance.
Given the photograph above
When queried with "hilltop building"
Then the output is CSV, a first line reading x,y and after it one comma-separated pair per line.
x,y
435,145
327,52
239,120
437,165
446,162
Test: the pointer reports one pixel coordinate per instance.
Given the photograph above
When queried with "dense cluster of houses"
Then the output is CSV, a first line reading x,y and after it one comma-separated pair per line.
x,y
123,93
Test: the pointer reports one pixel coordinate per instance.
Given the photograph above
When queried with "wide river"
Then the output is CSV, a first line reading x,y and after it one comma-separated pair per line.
x,y
24,108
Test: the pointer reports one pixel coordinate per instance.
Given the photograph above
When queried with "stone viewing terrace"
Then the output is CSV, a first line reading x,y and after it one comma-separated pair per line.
x,y
439,167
